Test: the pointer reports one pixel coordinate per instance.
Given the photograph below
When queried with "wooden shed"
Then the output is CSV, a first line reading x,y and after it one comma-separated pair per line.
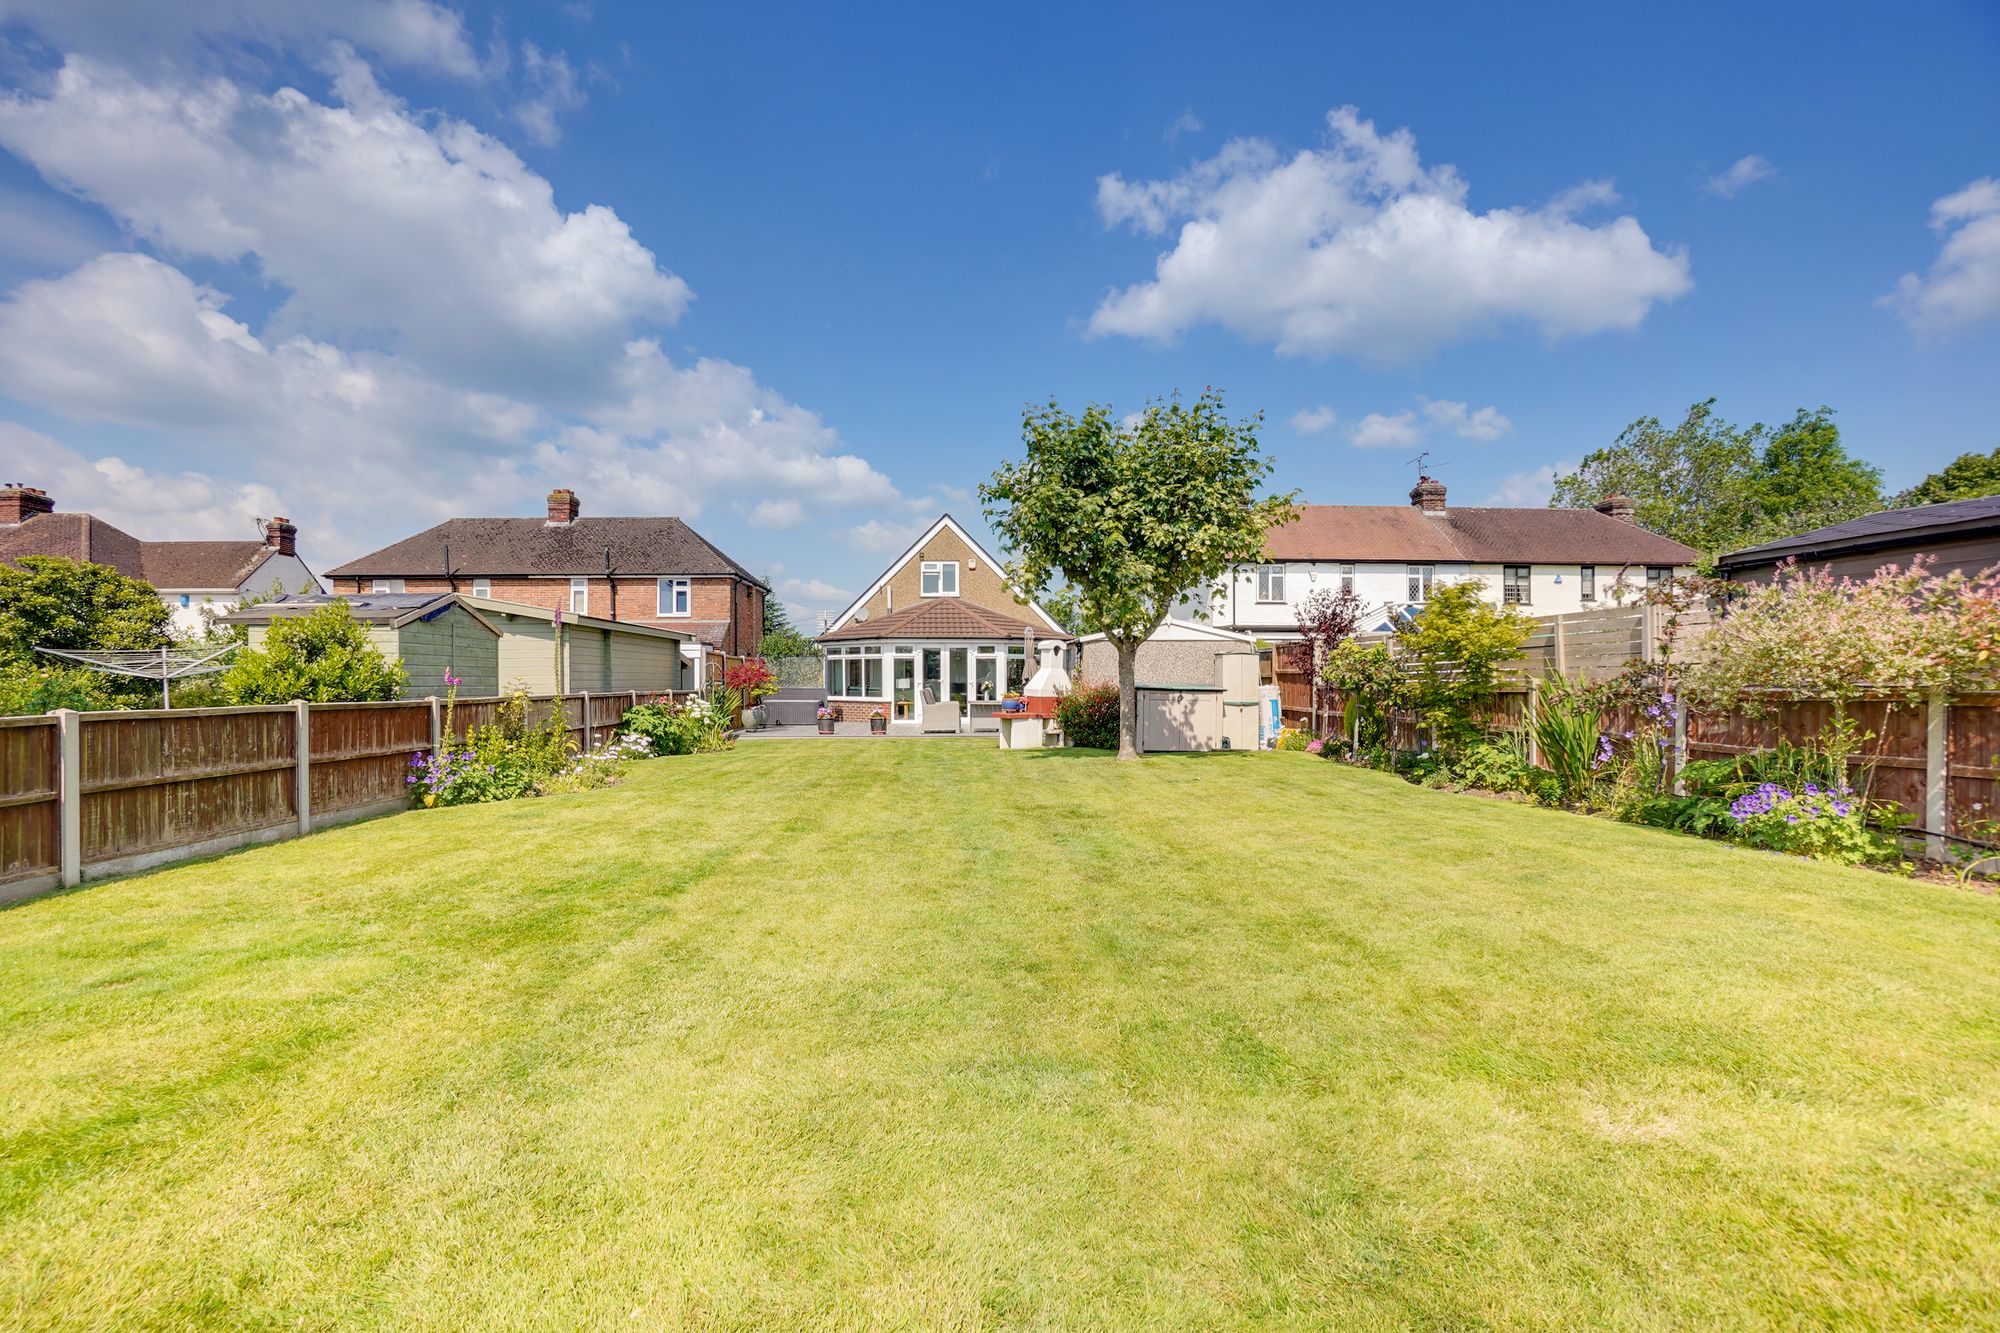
x,y
558,652
429,633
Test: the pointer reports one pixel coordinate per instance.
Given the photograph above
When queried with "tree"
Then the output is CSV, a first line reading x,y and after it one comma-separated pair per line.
x,y
50,602
1326,620
1967,477
323,656
1453,649
780,637
1718,487
1806,479
1687,483
1131,516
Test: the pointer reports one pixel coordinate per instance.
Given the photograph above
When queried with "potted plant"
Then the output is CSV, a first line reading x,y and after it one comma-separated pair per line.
x,y
878,722
749,681
827,717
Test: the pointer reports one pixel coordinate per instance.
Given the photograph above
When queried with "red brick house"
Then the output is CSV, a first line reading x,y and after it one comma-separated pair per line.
x,y
649,571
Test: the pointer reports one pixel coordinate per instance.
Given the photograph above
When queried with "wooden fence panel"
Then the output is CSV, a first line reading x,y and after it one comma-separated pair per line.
x,y
1972,792
30,799
361,753
154,780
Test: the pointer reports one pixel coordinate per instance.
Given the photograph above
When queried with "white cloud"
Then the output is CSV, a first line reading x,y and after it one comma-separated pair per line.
x,y
1962,289
1483,423
131,340
885,538
1376,431
777,515
139,499
553,92
1187,122
814,590
378,222
1358,248
1529,489
1380,430
410,33
1743,172
1313,420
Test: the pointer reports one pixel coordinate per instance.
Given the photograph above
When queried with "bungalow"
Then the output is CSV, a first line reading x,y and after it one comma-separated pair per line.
x,y
1542,561
190,577
654,571
937,640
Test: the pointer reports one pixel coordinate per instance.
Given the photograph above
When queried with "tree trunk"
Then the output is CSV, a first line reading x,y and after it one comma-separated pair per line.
x,y
1128,699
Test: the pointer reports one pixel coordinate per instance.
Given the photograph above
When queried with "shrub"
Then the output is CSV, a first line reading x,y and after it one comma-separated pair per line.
x,y
1572,745
690,727
1088,716
1453,649
1295,738
323,657
1823,824
1489,766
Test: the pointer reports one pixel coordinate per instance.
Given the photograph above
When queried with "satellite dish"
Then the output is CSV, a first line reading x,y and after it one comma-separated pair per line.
x,y
862,614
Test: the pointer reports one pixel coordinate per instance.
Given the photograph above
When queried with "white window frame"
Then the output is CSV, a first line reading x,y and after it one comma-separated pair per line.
x,y
385,586
1421,579
674,598
1271,584
1517,594
482,587
579,589
1347,576
931,578
1659,575
1586,575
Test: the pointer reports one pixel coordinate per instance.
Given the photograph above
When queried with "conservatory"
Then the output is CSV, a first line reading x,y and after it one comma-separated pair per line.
x,y
943,665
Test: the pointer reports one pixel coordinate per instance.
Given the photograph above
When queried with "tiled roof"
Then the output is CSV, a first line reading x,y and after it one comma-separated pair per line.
x,y
202,564
1886,527
1476,536
941,618
513,546
222,564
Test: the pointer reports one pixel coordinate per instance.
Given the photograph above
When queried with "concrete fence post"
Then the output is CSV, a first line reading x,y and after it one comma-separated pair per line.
x,y
437,724
69,745
587,728
1680,758
1937,773
1562,654
302,775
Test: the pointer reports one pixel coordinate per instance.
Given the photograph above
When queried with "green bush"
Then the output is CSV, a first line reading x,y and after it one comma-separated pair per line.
x,y
323,657
1088,716
1489,766
689,727
1568,733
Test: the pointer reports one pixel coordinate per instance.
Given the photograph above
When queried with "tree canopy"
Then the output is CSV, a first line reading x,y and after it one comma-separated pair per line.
x,y
780,637
1131,515
321,657
1718,487
50,602
1967,477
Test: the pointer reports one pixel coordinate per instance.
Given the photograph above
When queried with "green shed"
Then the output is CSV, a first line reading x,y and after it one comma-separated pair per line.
x,y
431,634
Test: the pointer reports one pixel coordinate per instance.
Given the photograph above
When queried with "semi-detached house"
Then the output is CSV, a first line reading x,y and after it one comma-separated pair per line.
x,y
1540,561
642,570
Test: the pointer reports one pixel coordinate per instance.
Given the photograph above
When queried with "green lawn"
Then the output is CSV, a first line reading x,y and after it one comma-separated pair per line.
x,y
925,1035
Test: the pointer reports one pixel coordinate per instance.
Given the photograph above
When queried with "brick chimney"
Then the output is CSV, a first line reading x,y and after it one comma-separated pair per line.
x,y
20,503
563,506
1428,495
282,535
1619,507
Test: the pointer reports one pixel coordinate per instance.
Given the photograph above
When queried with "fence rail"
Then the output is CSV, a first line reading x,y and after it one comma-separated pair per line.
x,y
86,795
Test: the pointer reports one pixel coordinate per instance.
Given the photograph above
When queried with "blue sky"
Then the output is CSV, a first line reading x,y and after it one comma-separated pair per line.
x,y
793,276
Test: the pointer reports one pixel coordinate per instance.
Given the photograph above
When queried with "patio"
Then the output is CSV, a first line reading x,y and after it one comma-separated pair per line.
x,y
859,731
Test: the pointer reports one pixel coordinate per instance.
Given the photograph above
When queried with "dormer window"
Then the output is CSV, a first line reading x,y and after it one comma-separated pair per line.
x,y
939,578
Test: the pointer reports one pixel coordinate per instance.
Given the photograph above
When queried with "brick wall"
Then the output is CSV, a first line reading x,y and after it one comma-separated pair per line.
x,y
637,601
985,585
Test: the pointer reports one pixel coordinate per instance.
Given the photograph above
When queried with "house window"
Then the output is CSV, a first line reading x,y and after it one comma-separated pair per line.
x,y
1420,582
1656,575
482,587
836,677
1514,584
1587,575
1347,576
940,578
674,596
1270,583
385,585
579,596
